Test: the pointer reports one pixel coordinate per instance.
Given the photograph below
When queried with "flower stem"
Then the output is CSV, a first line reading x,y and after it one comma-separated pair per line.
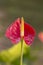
x,y
21,58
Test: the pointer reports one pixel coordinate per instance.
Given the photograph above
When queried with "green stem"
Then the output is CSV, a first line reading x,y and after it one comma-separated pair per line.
x,y
21,58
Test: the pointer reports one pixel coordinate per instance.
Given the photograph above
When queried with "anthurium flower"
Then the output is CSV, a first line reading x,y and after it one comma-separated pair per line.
x,y
20,30
40,36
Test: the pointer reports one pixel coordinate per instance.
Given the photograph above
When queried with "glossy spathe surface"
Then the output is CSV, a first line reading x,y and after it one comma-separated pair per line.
x,y
13,32
29,34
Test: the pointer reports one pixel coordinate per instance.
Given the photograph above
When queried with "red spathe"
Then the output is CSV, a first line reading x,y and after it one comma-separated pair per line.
x,y
13,32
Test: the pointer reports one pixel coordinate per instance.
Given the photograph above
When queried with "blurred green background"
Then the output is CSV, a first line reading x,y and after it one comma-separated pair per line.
x,y
32,11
